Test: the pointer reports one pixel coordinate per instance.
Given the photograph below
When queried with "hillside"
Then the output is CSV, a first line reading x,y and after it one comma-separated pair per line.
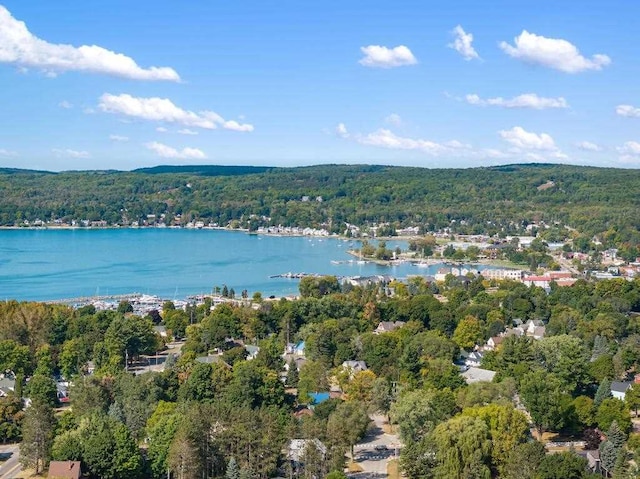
x,y
477,200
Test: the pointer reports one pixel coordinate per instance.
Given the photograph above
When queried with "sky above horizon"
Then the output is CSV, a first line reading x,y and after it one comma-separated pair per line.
x,y
124,85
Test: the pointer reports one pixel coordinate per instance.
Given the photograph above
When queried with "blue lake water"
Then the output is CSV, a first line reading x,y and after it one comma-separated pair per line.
x,y
171,263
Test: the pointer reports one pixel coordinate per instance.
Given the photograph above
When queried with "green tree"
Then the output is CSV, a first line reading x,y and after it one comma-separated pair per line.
x,y
233,471
613,410
563,465
603,392
318,286
566,357
360,387
632,398
42,389
417,413
583,406
44,361
293,375
184,460
381,396
347,425
37,436
602,367
125,307
463,448
507,428
544,397
468,333
161,428
612,447
524,461
313,378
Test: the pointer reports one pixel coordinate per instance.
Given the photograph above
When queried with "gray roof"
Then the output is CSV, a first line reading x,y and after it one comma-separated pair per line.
x,y
620,386
474,375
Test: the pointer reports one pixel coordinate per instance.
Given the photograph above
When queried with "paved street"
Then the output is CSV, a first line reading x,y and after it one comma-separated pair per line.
x,y
375,451
9,465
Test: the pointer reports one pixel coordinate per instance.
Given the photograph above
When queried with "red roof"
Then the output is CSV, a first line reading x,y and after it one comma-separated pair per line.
x,y
64,470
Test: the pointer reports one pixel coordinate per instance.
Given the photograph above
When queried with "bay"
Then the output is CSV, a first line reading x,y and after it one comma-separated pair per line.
x,y
170,263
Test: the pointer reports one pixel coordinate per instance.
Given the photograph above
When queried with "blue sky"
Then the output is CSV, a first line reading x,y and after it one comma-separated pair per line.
x,y
120,84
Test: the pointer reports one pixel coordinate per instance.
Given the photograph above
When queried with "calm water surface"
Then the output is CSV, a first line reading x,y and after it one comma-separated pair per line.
x,y
172,263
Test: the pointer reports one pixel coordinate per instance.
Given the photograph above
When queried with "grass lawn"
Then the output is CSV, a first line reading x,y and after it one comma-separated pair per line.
x,y
354,467
393,469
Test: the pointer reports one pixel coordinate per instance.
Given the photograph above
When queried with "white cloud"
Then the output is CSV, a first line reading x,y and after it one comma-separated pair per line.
x,y
520,138
628,111
588,146
527,146
462,44
21,47
161,129
235,126
553,53
7,153
341,131
68,153
165,151
393,119
65,104
386,139
163,109
187,131
629,152
526,100
118,138
377,56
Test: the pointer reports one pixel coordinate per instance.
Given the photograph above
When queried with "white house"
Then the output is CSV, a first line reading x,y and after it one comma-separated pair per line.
x,y
619,389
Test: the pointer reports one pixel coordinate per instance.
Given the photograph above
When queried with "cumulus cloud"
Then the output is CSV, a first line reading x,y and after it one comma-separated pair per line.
x,y
394,119
524,145
163,109
629,152
118,138
554,53
377,56
165,151
341,131
65,104
387,139
462,43
588,146
520,138
161,129
526,100
187,131
69,153
628,111
20,47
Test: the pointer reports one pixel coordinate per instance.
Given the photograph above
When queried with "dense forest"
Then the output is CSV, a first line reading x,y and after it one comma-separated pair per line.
x,y
493,200
235,416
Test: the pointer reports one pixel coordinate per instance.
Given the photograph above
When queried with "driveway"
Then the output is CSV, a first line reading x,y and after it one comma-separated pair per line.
x,y
9,465
375,450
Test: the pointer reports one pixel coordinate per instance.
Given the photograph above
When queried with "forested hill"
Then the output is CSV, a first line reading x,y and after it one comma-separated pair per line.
x,y
593,200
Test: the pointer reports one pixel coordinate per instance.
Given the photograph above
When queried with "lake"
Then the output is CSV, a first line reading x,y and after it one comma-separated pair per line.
x,y
171,263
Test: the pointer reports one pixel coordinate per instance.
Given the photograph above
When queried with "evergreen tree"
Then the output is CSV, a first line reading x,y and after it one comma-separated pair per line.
x,y
233,471
612,448
37,436
292,375
603,392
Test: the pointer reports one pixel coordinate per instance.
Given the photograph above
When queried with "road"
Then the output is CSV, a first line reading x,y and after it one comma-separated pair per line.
x,y
9,465
375,451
